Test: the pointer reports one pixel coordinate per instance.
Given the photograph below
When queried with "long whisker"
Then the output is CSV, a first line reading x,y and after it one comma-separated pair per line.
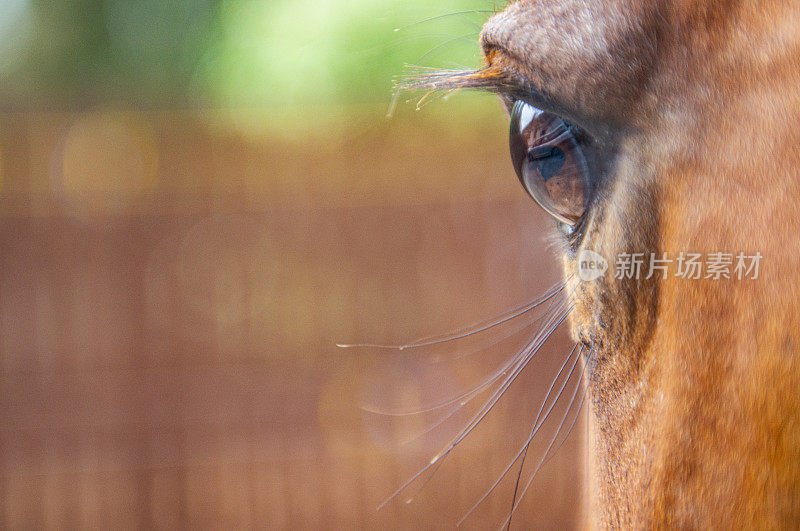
x,y
507,522
470,38
523,358
569,430
438,17
476,328
438,423
467,395
537,428
439,459
575,418
499,339
393,103
421,487
515,373
525,446
454,410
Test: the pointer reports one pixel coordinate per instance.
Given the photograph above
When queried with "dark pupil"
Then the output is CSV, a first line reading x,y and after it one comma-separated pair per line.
x,y
549,162
547,159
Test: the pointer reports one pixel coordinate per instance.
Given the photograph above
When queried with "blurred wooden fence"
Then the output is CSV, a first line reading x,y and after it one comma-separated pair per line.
x,y
169,303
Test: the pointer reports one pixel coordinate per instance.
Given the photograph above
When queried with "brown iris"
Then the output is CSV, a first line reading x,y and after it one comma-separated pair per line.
x,y
549,162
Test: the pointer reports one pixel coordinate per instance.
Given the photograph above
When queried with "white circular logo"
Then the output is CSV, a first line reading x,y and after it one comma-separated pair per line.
x,y
591,265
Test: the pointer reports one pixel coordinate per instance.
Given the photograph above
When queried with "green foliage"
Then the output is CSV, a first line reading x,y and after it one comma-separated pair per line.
x,y
282,54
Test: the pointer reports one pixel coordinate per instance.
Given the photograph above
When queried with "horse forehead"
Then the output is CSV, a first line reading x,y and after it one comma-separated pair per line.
x,y
568,28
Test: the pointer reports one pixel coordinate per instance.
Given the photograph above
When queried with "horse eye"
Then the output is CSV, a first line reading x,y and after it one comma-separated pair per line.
x,y
549,162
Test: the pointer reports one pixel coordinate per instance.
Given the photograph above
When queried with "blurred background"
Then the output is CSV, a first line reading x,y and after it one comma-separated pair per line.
x,y
198,200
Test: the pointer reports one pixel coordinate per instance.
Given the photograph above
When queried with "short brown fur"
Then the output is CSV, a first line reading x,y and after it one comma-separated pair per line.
x,y
695,417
